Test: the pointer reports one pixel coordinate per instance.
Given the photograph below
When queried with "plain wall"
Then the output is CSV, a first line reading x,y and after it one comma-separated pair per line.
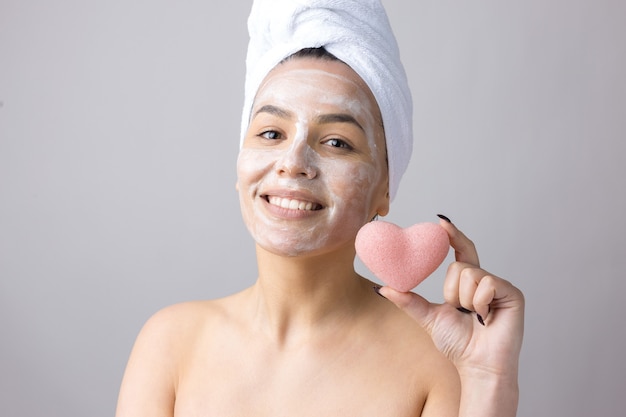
x,y
118,139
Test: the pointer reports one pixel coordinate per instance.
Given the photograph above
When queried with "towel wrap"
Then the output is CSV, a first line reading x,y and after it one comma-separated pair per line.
x,y
355,31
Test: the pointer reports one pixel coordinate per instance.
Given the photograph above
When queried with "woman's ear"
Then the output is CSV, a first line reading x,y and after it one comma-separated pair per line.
x,y
383,203
384,209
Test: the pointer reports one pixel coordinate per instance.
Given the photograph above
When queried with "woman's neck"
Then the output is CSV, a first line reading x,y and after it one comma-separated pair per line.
x,y
297,298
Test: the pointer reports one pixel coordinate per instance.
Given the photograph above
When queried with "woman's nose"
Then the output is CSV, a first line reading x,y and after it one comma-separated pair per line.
x,y
298,161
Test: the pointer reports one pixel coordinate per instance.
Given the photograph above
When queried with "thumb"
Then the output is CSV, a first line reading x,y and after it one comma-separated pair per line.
x,y
416,306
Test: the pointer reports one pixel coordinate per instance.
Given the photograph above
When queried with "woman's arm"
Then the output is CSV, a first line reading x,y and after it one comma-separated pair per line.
x,y
148,386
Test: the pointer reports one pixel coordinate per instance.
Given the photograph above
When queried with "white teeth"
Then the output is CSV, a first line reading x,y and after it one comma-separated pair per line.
x,y
291,204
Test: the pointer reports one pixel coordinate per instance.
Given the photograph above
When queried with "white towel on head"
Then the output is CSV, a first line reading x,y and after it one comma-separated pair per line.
x,y
355,31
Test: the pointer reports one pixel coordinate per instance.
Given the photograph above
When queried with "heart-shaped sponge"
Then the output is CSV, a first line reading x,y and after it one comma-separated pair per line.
x,y
402,258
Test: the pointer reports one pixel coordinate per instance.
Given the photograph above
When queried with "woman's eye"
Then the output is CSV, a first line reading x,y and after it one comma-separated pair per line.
x,y
270,134
338,143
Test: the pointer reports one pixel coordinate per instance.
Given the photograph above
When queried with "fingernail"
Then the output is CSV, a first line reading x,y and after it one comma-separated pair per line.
x,y
377,290
480,319
441,216
464,310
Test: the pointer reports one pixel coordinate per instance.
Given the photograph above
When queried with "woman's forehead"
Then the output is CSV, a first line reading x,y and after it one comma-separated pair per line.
x,y
306,81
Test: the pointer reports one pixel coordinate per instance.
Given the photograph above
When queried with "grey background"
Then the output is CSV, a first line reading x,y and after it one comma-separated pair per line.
x,y
118,139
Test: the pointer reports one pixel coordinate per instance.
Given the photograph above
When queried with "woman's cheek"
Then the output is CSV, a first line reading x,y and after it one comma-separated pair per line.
x,y
252,165
353,187
246,164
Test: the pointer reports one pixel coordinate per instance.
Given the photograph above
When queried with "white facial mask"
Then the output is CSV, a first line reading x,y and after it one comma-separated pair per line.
x,y
305,170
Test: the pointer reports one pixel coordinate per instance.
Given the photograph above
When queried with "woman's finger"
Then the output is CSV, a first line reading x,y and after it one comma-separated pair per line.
x,y
451,284
494,293
412,304
464,249
468,284
469,287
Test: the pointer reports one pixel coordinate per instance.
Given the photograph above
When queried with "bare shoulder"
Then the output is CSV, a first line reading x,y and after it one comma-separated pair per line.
x,y
182,317
153,370
176,324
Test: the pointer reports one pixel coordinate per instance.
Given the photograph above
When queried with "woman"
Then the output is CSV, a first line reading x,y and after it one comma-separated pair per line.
x,y
311,337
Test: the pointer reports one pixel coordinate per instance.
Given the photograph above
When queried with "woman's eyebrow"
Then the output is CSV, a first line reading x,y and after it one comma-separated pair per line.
x,y
321,119
338,118
275,111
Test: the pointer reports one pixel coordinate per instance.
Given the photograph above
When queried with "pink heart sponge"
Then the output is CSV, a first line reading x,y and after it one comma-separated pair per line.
x,y
402,258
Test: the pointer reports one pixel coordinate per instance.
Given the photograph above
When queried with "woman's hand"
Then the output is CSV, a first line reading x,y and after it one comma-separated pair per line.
x,y
479,327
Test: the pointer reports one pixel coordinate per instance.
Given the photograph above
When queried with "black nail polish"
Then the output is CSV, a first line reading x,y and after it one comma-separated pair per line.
x,y
377,290
480,319
464,310
441,216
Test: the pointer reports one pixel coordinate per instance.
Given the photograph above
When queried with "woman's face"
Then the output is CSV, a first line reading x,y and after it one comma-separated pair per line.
x,y
312,169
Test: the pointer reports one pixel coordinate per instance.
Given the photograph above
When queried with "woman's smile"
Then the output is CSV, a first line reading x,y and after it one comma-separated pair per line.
x,y
293,204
